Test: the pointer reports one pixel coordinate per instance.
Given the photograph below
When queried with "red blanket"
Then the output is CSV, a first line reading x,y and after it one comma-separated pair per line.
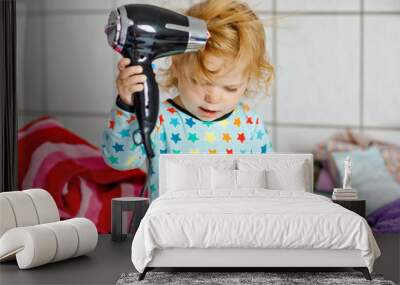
x,y
72,171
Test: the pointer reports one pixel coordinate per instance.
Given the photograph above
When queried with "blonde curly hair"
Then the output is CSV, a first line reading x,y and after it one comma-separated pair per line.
x,y
235,33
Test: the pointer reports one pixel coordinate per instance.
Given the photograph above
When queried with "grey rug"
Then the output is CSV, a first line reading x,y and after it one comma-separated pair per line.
x,y
231,278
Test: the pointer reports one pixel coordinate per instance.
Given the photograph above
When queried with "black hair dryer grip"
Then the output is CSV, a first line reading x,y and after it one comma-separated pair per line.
x,y
146,105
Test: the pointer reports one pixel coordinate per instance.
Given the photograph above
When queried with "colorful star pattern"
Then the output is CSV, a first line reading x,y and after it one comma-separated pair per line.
x,y
241,137
171,110
249,120
177,132
207,123
226,137
131,119
175,138
210,137
224,123
236,122
124,133
190,122
163,136
113,159
118,147
111,124
193,137
174,122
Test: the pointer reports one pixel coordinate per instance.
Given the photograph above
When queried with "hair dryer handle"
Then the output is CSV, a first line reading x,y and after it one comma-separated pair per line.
x,y
146,105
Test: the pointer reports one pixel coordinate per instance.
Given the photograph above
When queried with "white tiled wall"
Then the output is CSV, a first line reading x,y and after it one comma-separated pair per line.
x,y
382,5
77,5
78,66
300,139
30,62
382,70
318,5
337,66
318,70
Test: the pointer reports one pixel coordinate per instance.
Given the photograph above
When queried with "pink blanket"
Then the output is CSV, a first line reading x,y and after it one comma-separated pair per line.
x,y
72,171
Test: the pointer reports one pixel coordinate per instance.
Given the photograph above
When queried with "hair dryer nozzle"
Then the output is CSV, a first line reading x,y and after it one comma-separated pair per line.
x,y
197,30
198,34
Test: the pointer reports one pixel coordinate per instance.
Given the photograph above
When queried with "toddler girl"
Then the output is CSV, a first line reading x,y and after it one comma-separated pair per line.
x,y
206,116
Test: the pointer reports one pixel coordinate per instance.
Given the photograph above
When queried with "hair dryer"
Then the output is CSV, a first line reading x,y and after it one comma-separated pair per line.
x,y
144,33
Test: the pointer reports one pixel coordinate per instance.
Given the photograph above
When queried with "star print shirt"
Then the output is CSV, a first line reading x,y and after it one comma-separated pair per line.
x,y
177,131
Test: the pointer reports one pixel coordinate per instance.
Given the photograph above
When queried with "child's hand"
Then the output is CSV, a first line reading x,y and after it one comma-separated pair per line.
x,y
129,80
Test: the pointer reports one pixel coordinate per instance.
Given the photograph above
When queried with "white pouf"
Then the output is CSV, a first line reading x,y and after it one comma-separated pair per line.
x,y
23,209
7,220
45,205
31,230
26,208
52,242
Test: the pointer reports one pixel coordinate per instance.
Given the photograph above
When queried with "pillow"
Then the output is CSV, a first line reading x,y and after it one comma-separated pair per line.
x,y
280,174
184,177
288,179
369,177
236,179
251,178
223,178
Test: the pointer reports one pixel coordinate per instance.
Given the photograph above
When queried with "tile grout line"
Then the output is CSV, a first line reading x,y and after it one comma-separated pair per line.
x,y
261,12
361,67
67,12
114,69
266,123
44,78
325,126
274,92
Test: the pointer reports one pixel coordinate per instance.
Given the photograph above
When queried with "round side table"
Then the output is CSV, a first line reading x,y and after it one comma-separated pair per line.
x,y
119,206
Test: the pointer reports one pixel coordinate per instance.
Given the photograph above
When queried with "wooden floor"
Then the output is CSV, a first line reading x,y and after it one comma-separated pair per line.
x,y
110,259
